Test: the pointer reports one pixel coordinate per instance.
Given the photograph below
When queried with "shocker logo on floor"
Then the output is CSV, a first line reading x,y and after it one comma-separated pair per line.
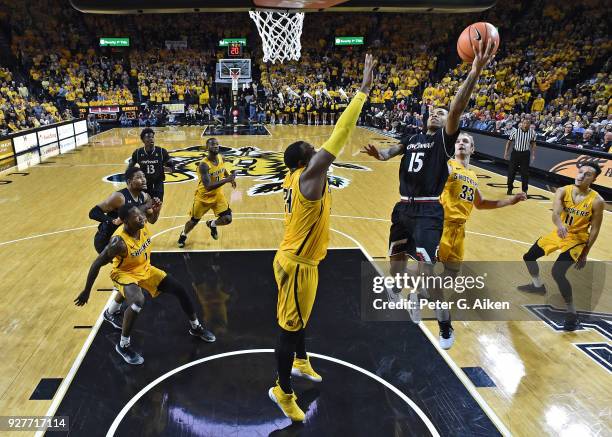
x,y
267,168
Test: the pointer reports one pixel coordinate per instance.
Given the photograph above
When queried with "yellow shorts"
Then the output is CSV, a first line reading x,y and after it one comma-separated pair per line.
x,y
451,244
218,203
297,287
149,282
573,242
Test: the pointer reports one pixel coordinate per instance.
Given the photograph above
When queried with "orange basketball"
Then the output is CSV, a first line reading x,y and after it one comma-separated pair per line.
x,y
472,35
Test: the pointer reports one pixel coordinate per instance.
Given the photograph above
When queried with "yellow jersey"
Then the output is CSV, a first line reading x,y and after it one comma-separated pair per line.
x,y
306,221
459,192
137,261
577,216
216,172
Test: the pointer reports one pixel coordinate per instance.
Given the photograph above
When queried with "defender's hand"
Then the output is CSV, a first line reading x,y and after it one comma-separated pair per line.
x,y
582,259
82,298
562,231
372,151
368,74
518,197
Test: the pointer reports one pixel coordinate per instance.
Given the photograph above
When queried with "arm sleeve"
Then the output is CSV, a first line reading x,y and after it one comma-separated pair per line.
x,y
98,215
512,135
345,125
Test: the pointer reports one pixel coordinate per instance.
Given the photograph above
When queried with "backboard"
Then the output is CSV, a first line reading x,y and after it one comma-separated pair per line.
x,y
175,6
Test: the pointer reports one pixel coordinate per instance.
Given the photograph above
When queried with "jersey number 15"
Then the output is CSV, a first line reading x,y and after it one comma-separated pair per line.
x,y
416,162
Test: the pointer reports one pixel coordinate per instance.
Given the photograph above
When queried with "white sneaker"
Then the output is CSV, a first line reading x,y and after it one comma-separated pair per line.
x,y
447,335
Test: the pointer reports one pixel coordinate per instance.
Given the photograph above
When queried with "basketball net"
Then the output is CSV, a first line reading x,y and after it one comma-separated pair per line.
x,y
235,75
280,33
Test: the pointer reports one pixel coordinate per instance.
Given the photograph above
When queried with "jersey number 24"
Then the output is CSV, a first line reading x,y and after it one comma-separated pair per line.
x,y
288,197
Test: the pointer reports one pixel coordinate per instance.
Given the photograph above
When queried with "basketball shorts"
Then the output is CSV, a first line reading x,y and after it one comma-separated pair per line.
x,y
416,229
148,281
201,205
297,279
451,245
574,243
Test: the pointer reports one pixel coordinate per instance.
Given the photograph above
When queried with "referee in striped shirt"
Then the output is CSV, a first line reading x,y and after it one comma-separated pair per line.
x,y
523,146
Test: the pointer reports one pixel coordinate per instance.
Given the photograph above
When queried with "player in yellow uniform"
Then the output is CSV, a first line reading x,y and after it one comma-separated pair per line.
x,y
307,209
460,195
577,214
130,252
209,194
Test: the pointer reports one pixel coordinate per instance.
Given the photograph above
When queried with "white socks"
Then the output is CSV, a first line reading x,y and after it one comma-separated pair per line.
x,y
537,282
125,341
114,307
194,323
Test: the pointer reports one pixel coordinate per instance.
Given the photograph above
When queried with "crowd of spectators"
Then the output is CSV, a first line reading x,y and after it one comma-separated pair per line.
x,y
540,71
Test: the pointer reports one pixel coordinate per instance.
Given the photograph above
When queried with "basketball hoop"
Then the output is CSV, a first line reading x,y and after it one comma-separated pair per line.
x,y
235,75
280,33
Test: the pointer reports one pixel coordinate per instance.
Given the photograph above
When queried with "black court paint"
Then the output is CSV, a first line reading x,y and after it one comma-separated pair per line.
x,y
236,293
478,376
46,388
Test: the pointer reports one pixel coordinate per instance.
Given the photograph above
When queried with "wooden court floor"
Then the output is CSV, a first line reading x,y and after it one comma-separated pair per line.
x,y
544,384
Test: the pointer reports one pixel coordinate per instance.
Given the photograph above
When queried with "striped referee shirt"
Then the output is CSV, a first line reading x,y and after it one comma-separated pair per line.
x,y
522,139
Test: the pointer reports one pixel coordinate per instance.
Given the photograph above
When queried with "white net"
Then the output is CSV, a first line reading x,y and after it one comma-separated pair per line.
x,y
280,33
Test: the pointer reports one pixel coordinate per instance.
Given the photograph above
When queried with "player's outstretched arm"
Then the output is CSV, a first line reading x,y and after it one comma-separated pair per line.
x,y
383,154
312,179
483,55
482,203
596,220
115,247
556,214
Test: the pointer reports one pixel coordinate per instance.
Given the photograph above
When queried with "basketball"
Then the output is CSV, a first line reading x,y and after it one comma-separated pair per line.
x,y
471,35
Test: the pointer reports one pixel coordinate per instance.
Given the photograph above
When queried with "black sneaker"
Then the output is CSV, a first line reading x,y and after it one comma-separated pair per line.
x,y
530,288
213,230
114,319
129,355
571,322
181,240
203,333
447,335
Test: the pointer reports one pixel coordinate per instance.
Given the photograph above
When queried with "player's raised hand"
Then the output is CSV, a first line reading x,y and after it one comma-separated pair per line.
x,y
562,231
482,55
156,204
518,197
368,74
117,221
82,298
372,151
